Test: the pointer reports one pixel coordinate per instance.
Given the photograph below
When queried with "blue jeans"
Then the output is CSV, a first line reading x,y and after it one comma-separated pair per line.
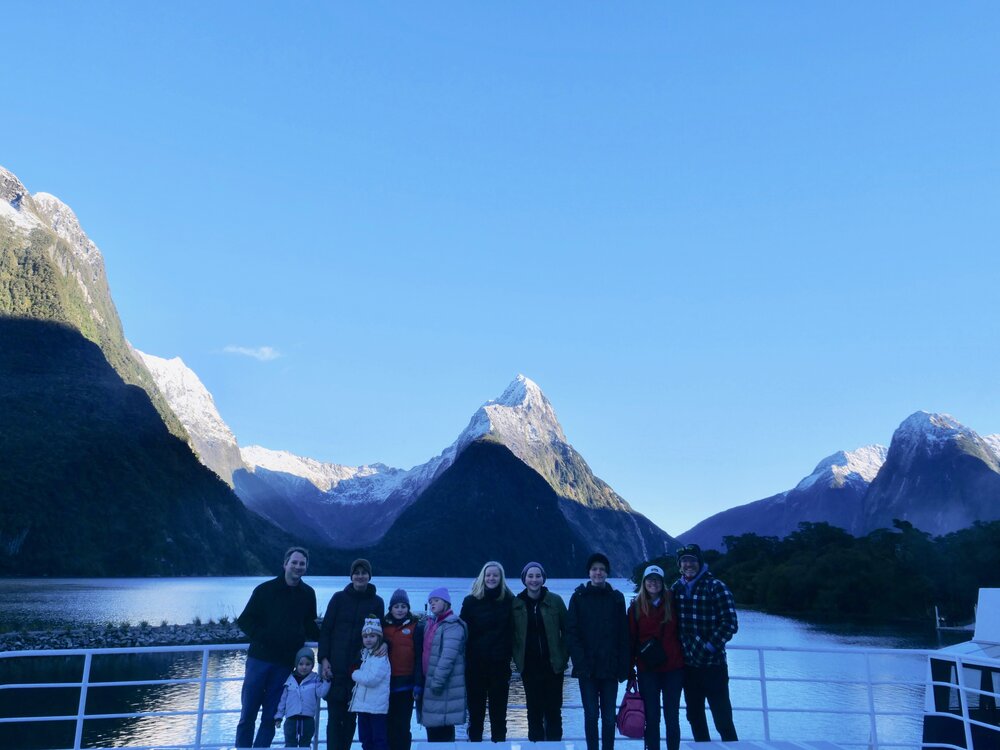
x,y
651,686
712,684
262,684
599,696
372,731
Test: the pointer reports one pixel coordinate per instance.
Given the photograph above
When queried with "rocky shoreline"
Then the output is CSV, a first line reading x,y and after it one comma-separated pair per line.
x,y
121,636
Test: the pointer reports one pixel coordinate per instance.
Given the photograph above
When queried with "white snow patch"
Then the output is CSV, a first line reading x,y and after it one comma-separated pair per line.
x,y
835,470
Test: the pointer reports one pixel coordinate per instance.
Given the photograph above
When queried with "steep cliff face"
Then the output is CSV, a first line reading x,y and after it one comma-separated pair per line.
x,y
93,482
51,270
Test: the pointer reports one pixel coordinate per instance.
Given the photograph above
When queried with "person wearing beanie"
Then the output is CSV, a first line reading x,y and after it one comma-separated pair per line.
x,y
599,557
540,653
370,697
597,636
299,702
706,621
487,613
404,633
442,703
656,655
279,618
339,646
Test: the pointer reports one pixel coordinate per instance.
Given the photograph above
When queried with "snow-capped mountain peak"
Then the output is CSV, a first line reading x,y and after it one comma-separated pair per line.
x,y
188,397
66,225
16,203
844,466
925,434
993,441
522,418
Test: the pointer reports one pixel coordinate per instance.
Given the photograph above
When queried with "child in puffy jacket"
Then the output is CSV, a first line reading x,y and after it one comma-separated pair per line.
x,y
299,703
370,700
404,633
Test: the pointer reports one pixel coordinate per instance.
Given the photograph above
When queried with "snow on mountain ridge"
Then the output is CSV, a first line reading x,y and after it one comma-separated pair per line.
x,y
325,476
16,204
188,397
993,442
842,466
64,222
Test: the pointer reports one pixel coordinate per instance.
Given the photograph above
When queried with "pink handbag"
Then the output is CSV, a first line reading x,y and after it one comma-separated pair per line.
x,y
631,719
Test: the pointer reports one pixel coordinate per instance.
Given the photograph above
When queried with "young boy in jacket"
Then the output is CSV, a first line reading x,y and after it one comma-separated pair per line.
x,y
299,702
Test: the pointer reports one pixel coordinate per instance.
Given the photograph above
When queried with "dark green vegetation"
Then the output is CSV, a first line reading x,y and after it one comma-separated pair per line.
x,y
93,483
39,279
891,574
488,505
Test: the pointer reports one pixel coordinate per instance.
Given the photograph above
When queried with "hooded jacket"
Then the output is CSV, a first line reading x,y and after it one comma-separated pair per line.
x,y
340,634
301,698
371,685
597,633
443,700
553,615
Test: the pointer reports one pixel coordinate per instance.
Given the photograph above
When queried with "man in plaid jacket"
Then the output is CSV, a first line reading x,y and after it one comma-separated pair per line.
x,y
706,619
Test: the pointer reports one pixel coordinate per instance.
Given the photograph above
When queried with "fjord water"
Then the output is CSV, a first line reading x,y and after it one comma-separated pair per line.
x,y
59,602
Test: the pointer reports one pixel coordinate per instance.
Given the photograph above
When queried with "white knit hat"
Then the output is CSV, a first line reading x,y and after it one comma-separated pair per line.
x,y
372,625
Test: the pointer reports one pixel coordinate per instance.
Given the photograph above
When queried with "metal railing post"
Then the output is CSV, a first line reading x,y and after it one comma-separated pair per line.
x,y
81,710
873,724
763,693
202,686
963,699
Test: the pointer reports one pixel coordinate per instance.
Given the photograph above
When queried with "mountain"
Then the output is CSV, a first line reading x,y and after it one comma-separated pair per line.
x,y
936,474
487,505
348,506
939,475
833,492
94,483
51,270
194,406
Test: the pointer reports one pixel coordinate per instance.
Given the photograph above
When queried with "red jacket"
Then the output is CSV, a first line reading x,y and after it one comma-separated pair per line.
x,y
642,628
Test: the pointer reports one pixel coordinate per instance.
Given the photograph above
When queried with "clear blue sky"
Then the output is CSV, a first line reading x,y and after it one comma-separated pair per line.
x,y
726,239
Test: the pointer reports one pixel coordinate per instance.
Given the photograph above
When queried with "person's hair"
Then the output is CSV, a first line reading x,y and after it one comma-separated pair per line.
x,y
292,550
479,585
644,603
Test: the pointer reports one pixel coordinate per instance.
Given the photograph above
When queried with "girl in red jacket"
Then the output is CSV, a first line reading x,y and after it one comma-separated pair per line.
x,y
657,656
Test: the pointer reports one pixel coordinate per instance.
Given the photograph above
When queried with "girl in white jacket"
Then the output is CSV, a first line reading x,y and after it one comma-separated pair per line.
x,y
299,703
370,700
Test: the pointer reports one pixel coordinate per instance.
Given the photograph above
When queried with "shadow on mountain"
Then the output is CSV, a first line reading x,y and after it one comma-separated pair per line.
x,y
95,484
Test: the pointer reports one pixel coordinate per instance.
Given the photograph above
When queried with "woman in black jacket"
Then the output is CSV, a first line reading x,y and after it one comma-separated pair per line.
x,y
598,639
487,612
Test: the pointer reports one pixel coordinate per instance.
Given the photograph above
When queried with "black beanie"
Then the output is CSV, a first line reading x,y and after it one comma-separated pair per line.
x,y
598,557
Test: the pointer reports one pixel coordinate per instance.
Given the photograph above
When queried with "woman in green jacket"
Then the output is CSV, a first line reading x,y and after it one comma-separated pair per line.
x,y
540,653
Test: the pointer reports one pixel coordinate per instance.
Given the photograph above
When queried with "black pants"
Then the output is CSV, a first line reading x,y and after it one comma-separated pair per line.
x,y
299,731
543,693
340,725
400,713
712,684
441,734
487,682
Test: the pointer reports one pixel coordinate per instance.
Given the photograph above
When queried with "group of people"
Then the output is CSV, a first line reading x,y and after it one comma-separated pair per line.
x,y
377,666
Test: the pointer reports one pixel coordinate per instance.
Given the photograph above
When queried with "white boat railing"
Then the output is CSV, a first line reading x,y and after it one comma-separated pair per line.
x,y
872,681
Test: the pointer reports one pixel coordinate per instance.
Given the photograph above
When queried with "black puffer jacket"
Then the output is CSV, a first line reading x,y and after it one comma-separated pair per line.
x,y
597,633
491,627
340,634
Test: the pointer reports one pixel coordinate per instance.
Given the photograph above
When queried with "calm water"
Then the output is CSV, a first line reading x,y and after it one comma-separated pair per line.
x,y
181,600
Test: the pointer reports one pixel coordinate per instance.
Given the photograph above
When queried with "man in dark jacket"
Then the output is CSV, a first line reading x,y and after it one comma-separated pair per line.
x,y
706,619
278,619
597,636
340,649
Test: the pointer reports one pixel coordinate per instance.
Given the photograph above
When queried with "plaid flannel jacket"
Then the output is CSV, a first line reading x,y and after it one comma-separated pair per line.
x,y
705,615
